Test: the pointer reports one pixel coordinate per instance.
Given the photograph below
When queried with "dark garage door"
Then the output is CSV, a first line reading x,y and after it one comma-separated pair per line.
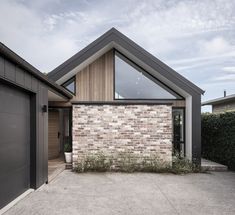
x,y
14,143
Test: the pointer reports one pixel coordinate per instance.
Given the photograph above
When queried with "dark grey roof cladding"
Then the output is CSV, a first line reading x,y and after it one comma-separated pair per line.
x,y
114,35
12,56
220,100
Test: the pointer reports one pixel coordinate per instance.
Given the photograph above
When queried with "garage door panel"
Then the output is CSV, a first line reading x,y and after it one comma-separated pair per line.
x,y
12,99
14,139
9,106
14,160
14,143
12,127
17,183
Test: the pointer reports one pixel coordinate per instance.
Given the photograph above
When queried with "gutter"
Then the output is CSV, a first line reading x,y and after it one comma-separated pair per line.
x,y
219,100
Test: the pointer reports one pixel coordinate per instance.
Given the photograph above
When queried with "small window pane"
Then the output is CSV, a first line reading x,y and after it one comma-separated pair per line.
x,y
131,82
70,85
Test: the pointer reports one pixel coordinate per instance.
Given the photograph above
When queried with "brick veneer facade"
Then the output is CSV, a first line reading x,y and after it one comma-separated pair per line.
x,y
139,129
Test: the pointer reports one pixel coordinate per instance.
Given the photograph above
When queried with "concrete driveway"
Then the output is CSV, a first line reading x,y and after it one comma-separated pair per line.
x,y
138,193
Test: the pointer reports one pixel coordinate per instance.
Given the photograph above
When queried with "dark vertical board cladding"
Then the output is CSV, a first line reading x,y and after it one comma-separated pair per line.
x,y
20,76
33,141
42,118
45,141
196,129
1,66
34,84
39,154
28,80
10,70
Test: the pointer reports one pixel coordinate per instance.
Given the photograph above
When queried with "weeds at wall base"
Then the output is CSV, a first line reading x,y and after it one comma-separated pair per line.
x,y
128,163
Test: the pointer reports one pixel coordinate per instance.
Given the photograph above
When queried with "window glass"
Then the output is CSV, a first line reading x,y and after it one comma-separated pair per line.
x,y
70,85
178,129
131,82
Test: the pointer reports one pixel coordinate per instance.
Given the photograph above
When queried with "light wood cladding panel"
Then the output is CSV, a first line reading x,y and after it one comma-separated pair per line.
x,y
83,85
109,85
95,82
179,103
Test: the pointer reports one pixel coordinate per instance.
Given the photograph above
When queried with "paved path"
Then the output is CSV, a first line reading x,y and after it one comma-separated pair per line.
x,y
138,193
55,167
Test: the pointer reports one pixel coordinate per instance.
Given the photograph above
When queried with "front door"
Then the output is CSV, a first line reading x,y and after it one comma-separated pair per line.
x,y
53,134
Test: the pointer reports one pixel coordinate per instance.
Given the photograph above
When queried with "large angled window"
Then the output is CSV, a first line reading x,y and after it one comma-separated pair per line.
x,y
132,82
70,85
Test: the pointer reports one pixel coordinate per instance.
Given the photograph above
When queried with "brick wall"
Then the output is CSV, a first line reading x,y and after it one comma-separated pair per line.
x,y
139,129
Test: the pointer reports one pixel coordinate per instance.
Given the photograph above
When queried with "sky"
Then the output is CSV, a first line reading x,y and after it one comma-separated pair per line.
x,y
194,37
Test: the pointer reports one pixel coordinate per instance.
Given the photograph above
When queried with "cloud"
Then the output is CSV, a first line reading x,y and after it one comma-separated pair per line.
x,y
215,46
194,37
229,69
225,78
45,40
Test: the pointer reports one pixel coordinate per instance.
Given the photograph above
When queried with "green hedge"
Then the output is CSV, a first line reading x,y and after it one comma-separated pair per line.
x,y
218,138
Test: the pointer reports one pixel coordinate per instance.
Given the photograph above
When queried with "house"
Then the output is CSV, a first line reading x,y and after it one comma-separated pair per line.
x,y
223,104
124,98
111,96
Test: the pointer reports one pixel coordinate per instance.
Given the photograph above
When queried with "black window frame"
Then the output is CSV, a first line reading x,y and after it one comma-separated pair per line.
x,y
66,83
147,74
184,129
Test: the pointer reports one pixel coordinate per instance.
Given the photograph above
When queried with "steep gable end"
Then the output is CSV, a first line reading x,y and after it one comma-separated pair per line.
x,y
115,39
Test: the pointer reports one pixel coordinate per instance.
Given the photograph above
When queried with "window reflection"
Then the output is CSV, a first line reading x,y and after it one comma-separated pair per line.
x,y
131,82
70,85
178,130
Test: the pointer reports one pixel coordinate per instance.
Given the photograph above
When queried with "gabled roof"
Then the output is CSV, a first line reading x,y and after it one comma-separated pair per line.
x,y
12,56
220,100
114,36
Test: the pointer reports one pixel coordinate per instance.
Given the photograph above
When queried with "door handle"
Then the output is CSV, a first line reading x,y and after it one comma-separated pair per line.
x,y
58,135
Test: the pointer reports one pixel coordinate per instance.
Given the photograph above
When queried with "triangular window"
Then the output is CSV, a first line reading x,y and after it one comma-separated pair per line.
x,y
70,85
132,82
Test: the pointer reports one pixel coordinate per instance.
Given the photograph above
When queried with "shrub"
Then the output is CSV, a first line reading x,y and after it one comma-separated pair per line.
x,y
128,162
67,147
218,138
182,165
95,162
154,164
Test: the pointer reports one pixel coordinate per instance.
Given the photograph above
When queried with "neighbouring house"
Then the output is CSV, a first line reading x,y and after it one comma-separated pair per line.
x,y
112,96
223,104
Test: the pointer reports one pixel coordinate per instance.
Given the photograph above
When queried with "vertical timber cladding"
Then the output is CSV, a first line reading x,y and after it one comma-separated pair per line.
x,y
139,129
95,82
